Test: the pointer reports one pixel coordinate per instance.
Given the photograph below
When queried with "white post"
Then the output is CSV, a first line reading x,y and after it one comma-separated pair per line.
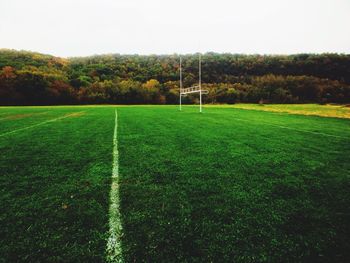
x,y
200,83
180,83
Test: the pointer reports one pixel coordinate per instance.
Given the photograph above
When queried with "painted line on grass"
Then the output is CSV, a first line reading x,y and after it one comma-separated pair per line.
x,y
38,124
114,248
295,129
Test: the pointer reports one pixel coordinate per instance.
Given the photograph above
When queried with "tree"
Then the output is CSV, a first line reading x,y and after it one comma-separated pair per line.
x,y
8,72
151,84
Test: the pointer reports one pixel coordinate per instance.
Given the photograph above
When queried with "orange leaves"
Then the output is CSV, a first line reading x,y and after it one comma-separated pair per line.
x,y
8,72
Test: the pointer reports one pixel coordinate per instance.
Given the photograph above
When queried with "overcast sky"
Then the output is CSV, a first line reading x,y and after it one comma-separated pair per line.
x,y
87,27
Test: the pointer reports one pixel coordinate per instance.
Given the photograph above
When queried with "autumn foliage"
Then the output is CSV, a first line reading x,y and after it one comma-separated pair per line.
x,y
28,78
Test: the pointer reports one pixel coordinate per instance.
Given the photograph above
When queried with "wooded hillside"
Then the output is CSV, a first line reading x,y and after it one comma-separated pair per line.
x,y
28,78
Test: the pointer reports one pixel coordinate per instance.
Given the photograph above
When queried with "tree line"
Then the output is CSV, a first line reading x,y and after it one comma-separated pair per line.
x,y
29,78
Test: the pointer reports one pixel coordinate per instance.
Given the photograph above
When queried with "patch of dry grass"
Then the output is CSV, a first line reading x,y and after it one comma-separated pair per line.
x,y
329,110
76,115
19,116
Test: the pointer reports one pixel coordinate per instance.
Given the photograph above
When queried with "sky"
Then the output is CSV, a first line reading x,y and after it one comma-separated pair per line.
x,y
86,27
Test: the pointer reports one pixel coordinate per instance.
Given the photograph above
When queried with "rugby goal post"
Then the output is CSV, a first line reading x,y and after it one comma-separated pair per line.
x,y
195,88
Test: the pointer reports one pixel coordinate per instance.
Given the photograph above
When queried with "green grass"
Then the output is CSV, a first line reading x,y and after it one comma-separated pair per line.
x,y
55,181
226,185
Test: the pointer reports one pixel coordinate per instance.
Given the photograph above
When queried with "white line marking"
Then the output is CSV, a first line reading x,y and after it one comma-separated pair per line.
x,y
294,129
114,249
38,124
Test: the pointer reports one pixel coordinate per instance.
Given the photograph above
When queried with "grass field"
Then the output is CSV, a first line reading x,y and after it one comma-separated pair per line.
x,y
228,185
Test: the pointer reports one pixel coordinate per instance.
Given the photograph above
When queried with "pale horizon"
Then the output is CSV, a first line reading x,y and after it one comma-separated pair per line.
x,y
86,28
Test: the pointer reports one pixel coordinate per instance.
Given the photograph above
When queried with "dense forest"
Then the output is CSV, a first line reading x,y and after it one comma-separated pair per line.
x,y
28,78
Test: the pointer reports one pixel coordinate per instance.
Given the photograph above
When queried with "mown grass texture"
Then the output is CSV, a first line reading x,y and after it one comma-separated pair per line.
x,y
226,185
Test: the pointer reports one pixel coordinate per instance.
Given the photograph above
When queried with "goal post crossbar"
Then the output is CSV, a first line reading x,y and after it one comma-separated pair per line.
x,y
193,89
